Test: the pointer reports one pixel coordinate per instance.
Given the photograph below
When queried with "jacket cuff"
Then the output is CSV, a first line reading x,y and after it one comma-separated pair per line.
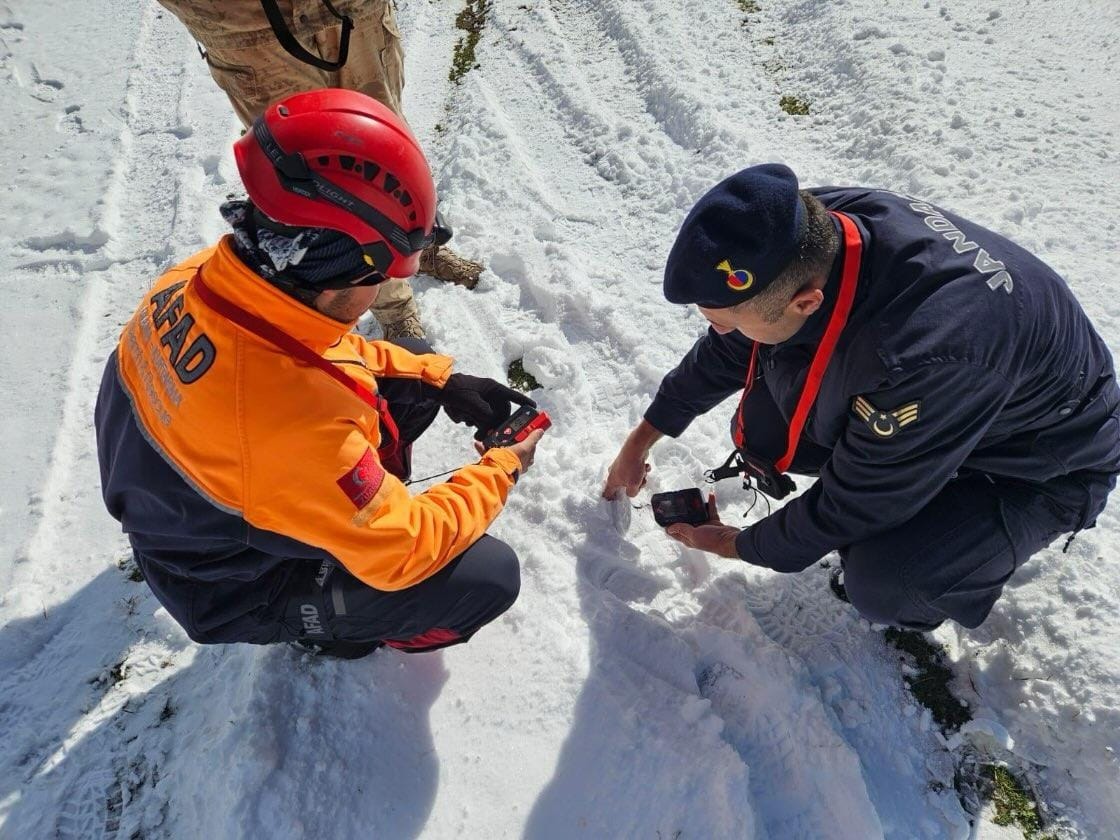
x,y
436,369
746,544
665,418
504,460
745,550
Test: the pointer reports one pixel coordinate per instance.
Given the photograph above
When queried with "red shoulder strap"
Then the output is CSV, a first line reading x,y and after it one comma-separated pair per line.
x,y
276,336
849,279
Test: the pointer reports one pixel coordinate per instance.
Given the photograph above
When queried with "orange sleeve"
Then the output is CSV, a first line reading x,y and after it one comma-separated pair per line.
x,y
384,358
326,487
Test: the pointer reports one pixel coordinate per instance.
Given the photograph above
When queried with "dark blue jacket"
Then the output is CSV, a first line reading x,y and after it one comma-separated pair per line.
x,y
1009,377
217,575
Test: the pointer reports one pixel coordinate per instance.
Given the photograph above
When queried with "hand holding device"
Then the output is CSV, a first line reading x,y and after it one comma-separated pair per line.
x,y
686,506
522,424
520,434
712,535
478,401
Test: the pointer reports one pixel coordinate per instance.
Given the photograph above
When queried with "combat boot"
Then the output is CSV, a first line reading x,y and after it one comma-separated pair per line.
x,y
407,327
444,264
396,311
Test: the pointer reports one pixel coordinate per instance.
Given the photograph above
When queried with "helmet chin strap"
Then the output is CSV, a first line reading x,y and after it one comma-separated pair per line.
x,y
365,276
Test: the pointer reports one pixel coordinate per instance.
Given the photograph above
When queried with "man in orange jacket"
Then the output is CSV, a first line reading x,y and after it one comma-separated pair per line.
x,y
254,449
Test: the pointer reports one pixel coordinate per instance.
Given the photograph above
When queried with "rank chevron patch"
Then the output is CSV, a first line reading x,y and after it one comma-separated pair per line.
x,y
886,424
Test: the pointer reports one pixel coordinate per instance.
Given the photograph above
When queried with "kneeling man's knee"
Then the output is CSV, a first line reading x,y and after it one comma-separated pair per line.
x,y
501,581
876,585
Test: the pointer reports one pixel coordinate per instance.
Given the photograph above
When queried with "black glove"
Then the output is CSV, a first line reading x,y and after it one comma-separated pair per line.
x,y
477,401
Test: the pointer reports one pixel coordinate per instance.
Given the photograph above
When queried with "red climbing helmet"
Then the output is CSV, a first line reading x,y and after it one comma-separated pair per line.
x,y
338,159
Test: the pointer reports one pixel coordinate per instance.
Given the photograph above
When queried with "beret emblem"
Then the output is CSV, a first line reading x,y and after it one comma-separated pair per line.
x,y
737,279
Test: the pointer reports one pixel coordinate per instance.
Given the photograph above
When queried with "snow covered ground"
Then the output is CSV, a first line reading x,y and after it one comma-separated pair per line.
x,y
637,689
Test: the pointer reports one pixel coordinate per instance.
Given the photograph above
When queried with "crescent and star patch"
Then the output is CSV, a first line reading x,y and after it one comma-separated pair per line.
x,y
363,481
886,424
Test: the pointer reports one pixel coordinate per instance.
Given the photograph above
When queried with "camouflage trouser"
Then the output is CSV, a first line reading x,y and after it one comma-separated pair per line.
x,y
252,68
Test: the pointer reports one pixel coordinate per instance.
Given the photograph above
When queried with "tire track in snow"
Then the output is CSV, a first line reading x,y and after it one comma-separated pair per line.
x,y
140,211
562,137
936,101
70,554
57,644
583,130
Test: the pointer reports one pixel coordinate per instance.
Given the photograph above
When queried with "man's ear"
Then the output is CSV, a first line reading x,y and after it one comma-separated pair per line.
x,y
806,302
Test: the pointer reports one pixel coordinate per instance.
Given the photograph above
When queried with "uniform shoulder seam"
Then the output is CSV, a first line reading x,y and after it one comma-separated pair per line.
x,y
944,361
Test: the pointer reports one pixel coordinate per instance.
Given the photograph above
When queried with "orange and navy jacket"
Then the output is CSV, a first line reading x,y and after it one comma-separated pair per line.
x,y
228,461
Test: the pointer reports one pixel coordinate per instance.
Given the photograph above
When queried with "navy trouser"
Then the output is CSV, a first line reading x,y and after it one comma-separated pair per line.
x,y
445,609
952,559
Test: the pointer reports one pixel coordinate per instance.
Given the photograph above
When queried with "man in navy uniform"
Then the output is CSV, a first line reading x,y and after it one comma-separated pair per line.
x,y
944,386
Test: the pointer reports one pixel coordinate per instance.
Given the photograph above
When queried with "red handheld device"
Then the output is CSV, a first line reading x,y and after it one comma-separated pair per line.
x,y
523,423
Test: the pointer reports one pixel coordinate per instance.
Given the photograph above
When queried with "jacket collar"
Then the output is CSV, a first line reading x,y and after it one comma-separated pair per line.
x,y
814,327
229,277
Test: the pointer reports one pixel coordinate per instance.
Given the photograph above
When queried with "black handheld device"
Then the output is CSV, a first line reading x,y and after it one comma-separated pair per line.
x,y
685,506
524,422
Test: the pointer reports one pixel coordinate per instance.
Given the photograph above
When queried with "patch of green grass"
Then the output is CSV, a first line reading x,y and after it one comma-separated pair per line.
x,y
129,567
1014,806
748,8
472,20
930,685
793,105
520,378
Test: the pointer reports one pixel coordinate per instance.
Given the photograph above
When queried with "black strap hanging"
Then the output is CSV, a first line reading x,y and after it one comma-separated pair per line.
x,y
296,49
757,472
